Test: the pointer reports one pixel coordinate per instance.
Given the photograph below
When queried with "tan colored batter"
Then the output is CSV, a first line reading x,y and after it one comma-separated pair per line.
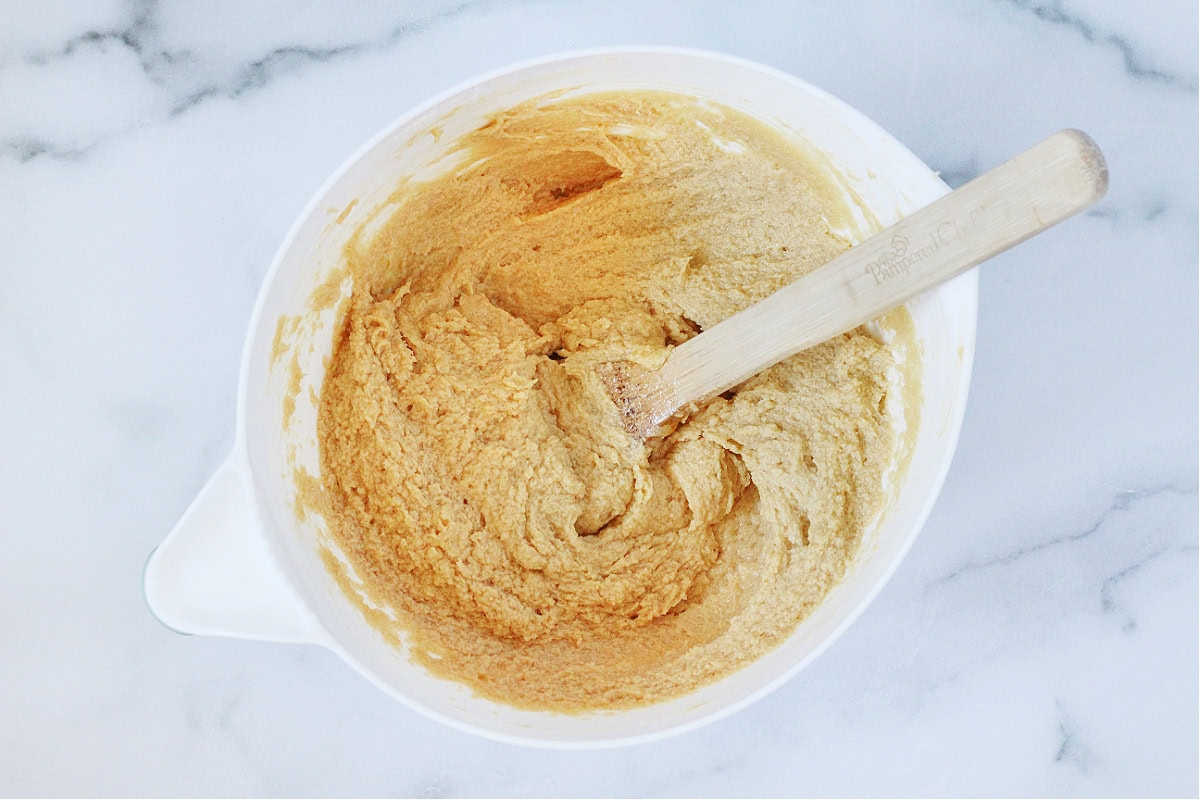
x,y
478,479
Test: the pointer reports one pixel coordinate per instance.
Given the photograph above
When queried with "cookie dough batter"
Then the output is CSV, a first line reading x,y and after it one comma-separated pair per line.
x,y
479,481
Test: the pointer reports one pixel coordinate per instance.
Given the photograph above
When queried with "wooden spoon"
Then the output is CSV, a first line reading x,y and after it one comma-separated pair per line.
x,y
1041,187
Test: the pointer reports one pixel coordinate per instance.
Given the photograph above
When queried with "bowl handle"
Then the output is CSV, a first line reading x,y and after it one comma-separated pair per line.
x,y
215,575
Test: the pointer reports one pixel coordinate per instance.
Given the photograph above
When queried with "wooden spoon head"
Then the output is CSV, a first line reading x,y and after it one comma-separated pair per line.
x,y
637,396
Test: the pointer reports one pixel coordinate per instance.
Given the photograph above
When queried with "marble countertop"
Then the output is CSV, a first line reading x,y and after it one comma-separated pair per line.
x,y
1041,637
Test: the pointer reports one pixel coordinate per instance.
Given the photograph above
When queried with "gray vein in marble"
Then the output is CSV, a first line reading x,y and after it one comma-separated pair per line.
x,y
1154,210
1108,589
1122,502
437,787
228,708
214,717
1150,211
25,148
261,71
157,64
955,175
1136,64
131,36
1070,749
139,422
929,687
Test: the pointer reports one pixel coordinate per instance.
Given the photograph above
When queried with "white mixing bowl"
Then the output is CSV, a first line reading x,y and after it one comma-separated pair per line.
x,y
240,563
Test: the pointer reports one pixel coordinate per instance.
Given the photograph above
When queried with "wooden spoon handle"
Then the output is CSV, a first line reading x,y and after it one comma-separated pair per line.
x,y
1039,188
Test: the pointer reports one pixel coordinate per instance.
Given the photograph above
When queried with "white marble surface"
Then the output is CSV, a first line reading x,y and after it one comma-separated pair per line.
x,y
1041,638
